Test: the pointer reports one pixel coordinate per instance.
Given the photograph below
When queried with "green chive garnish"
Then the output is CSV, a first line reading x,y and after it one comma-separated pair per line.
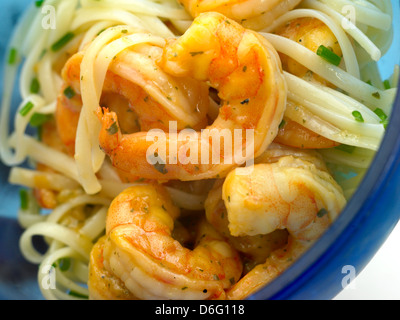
x,y
381,114
358,116
26,108
24,199
77,295
64,264
69,92
39,3
329,55
12,57
35,86
39,119
62,42
386,84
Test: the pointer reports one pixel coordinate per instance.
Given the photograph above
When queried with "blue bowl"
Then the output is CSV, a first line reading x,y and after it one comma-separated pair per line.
x,y
320,273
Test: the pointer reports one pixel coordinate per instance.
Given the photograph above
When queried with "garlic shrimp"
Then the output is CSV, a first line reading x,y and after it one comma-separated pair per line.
x,y
244,69
253,249
291,194
139,107
139,251
311,33
253,14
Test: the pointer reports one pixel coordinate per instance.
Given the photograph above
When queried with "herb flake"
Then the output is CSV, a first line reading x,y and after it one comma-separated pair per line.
x,y
113,129
62,42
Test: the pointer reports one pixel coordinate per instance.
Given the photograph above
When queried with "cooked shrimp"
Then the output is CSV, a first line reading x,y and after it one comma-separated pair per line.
x,y
244,69
311,33
140,255
295,135
254,249
154,96
291,194
132,96
255,13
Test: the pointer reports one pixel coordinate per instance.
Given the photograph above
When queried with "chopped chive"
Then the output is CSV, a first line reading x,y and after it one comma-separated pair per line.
x,y
69,92
40,133
38,119
381,114
24,199
329,55
64,264
26,108
246,101
39,3
78,295
346,148
12,57
358,116
35,86
282,124
386,84
58,45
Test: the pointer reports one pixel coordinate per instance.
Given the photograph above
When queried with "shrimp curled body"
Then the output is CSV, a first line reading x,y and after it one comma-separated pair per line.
x,y
290,194
245,70
139,259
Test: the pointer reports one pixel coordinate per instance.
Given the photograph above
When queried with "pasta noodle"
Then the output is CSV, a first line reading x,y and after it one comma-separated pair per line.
x,y
85,184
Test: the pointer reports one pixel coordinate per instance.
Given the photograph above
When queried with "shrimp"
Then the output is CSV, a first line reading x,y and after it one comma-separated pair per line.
x,y
154,97
245,70
253,249
295,135
252,13
290,194
311,33
142,260
68,112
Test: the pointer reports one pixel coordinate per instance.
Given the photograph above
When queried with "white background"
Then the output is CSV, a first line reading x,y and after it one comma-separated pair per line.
x,y
380,279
